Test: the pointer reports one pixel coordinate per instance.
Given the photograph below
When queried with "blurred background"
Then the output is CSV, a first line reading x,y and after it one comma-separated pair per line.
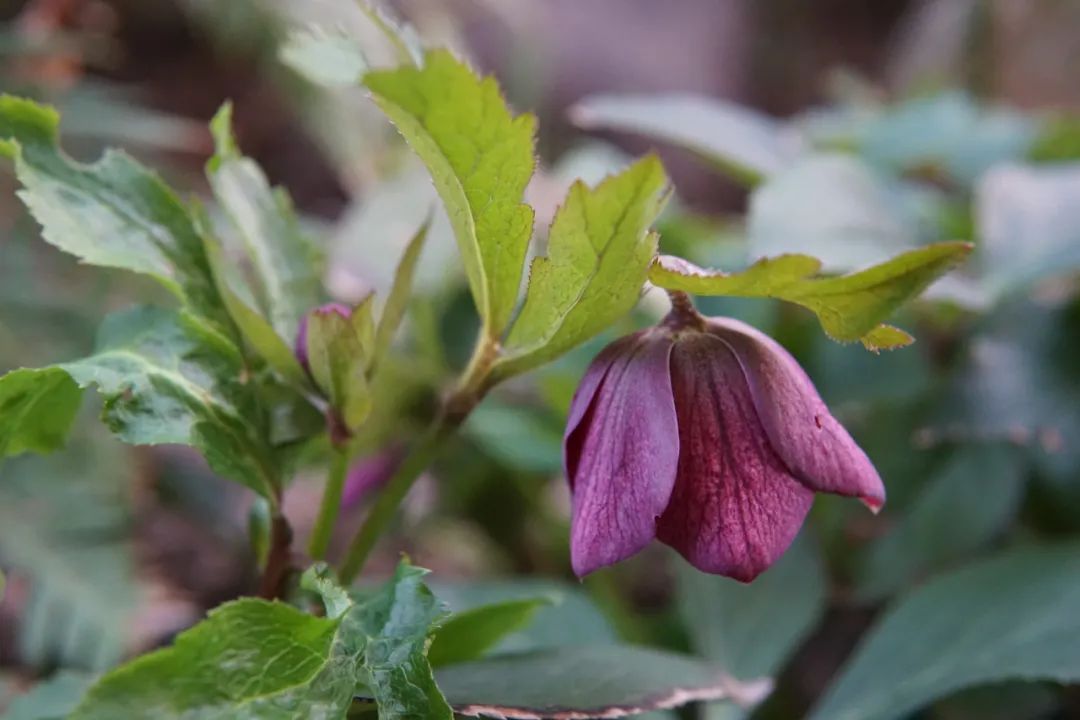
x,y
870,128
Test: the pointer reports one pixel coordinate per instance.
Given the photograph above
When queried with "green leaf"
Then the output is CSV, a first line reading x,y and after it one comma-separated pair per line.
x,y
599,250
168,378
752,630
113,213
586,682
398,299
324,56
468,635
1011,617
249,659
480,158
37,408
397,622
972,500
339,352
253,327
743,143
573,620
849,307
252,659
285,261
320,579
51,699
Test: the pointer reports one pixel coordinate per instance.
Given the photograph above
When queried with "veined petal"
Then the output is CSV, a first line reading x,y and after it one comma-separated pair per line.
x,y
621,451
736,507
817,448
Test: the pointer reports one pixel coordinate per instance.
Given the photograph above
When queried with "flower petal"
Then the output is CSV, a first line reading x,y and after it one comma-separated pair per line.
x,y
736,507
817,449
621,451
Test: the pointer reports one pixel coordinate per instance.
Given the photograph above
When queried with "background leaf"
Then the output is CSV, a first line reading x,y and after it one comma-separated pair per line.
x,y
599,250
751,630
468,635
932,643
37,408
51,699
969,502
744,143
480,158
339,350
585,682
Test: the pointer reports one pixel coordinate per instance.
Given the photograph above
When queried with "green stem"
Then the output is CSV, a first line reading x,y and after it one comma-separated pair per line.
x,y
330,505
386,505
467,394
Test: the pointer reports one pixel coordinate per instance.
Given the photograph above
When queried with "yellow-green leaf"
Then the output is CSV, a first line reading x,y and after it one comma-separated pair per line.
x,y
850,307
480,157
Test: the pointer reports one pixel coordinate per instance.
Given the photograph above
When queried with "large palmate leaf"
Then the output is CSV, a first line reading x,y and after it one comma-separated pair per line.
x,y
166,378
113,213
468,635
742,142
599,250
286,265
480,158
751,630
587,682
850,307
1010,617
252,659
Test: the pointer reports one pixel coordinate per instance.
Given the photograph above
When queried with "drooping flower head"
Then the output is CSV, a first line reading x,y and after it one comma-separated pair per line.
x,y
706,434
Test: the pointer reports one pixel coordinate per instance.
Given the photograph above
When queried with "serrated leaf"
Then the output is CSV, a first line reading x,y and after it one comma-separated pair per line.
x,y
253,327
324,56
397,622
480,158
37,408
849,307
113,213
469,634
320,579
169,378
752,630
398,299
250,659
932,643
285,261
599,250
745,144
966,505
586,682
339,350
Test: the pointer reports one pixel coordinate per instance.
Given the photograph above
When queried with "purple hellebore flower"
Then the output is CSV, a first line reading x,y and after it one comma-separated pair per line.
x,y
300,347
705,434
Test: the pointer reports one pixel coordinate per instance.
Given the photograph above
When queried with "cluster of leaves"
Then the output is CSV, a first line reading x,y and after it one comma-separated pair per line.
x,y
220,373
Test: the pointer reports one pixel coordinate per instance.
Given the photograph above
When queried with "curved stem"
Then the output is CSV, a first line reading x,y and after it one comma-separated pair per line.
x,y
330,505
277,557
467,394
386,505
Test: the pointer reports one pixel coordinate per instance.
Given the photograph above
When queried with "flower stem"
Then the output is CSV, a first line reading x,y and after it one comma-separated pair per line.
x,y
467,394
330,505
386,505
277,557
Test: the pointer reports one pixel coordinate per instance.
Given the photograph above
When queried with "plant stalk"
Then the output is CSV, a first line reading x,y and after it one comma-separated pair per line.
x,y
330,506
